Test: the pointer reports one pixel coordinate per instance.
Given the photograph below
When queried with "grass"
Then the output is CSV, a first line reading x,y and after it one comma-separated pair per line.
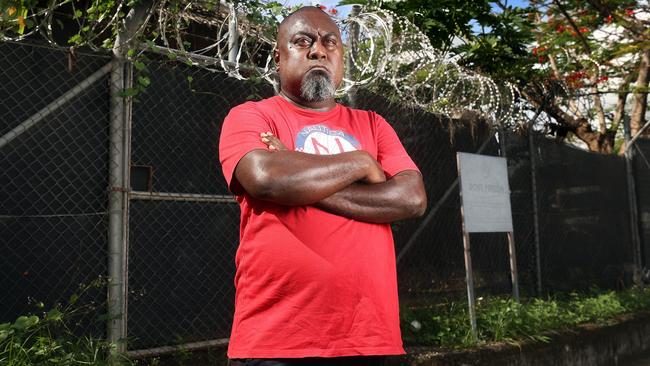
x,y
504,320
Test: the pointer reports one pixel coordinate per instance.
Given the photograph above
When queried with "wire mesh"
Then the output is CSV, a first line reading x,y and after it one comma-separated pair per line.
x,y
183,232
181,257
54,174
584,218
432,264
181,271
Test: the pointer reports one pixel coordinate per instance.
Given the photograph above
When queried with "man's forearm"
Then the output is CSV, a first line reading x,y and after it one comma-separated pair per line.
x,y
398,198
295,178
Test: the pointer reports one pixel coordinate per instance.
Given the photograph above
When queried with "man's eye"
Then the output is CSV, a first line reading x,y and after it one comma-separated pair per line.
x,y
303,42
330,42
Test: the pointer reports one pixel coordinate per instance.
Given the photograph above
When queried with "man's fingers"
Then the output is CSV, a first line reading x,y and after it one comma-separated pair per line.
x,y
272,141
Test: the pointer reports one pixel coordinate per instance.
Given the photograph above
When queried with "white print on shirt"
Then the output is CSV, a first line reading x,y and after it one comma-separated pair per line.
x,y
320,140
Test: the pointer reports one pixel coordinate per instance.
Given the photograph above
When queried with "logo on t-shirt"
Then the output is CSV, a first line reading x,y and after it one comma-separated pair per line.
x,y
320,140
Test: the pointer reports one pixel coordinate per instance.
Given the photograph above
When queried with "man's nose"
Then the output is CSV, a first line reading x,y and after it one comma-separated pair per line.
x,y
317,51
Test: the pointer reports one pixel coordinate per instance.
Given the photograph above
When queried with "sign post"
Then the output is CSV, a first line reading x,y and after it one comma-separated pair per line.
x,y
485,208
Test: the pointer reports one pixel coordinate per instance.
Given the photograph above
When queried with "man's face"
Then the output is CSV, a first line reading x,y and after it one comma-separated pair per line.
x,y
310,56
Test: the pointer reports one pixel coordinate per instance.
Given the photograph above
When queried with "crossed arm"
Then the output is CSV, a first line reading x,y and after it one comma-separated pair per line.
x,y
351,184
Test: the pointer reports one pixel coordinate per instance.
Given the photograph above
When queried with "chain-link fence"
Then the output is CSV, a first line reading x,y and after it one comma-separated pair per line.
x,y
570,207
182,246
54,164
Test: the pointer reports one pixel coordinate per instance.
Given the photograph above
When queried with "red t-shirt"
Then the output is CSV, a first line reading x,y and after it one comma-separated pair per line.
x,y
310,283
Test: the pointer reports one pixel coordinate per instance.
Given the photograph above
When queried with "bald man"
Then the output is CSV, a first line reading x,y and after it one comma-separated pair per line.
x,y
318,185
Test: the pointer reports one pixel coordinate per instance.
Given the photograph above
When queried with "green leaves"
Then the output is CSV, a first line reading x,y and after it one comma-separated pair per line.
x,y
54,315
24,322
144,81
130,92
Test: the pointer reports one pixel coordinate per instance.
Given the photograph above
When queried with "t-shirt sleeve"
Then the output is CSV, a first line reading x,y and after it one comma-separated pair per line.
x,y
390,152
240,134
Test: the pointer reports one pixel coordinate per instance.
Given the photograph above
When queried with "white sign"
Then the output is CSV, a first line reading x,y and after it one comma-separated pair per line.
x,y
485,193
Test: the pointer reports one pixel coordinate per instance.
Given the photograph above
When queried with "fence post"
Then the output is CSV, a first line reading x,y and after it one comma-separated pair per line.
x,y
533,188
632,200
117,207
353,39
119,174
512,252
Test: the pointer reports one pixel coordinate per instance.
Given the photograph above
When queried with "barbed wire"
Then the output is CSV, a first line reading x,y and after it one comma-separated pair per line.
x,y
385,50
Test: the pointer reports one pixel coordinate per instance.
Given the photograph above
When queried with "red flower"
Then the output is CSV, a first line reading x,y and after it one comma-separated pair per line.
x,y
322,7
609,19
629,12
538,50
333,11
541,59
560,28
584,30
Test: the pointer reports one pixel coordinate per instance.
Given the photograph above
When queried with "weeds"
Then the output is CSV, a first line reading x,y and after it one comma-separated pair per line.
x,y
48,338
505,320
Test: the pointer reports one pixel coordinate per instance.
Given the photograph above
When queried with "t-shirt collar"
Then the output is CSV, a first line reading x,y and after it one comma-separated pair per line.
x,y
306,112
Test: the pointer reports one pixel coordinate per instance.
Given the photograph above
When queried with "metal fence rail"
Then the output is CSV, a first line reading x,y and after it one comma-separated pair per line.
x,y
69,141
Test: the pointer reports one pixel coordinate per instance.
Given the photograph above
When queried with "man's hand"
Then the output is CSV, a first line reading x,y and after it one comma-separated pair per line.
x,y
272,142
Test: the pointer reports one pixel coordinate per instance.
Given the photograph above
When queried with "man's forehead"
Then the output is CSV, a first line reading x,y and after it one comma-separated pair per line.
x,y
308,20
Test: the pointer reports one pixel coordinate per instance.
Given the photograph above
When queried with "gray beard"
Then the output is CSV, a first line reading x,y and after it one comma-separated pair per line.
x,y
317,86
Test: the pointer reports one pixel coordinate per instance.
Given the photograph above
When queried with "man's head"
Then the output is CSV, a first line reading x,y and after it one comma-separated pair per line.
x,y
309,56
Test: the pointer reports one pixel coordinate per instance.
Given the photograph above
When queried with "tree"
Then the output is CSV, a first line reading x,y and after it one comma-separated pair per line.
x,y
594,48
578,51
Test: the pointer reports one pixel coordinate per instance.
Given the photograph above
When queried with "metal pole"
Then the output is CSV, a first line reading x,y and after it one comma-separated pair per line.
x,y
513,266
233,35
514,276
39,116
469,275
117,209
469,278
533,187
632,200
353,47
119,171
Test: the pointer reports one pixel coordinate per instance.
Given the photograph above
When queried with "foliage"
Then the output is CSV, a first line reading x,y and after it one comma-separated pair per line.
x,y
578,52
49,338
505,320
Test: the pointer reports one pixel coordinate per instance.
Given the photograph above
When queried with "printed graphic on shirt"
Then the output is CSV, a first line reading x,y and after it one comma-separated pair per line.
x,y
320,140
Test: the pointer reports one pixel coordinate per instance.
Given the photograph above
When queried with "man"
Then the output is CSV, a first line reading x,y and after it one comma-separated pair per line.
x,y
318,184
